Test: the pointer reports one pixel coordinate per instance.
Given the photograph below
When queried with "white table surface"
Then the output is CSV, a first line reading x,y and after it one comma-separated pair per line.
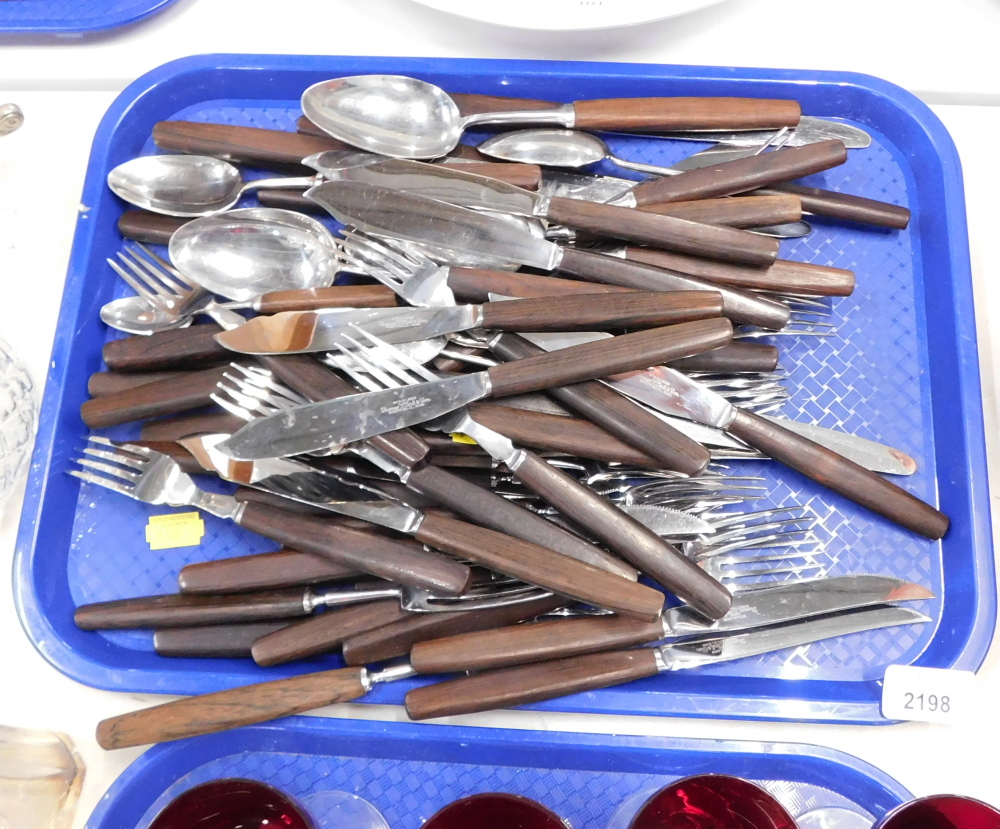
x,y
64,90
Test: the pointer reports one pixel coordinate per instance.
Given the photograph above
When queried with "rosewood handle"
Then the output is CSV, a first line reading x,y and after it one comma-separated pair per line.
x,y
738,305
712,241
213,641
282,568
742,174
222,710
589,312
617,414
523,644
289,200
187,462
675,114
473,285
111,382
751,211
529,683
472,104
151,228
324,632
182,426
627,352
183,348
402,562
396,638
536,565
839,474
735,357
844,206
336,296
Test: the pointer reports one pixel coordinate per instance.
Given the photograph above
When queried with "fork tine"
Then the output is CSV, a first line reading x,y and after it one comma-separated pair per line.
x,y
380,361
114,457
364,373
397,354
109,469
142,290
404,261
165,265
147,277
155,271
97,480
232,407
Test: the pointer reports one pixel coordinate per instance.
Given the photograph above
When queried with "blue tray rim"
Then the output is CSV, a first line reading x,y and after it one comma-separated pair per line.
x,y
46,639
73,26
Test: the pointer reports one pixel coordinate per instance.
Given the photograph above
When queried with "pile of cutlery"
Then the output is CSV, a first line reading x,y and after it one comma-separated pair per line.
x,y
468,467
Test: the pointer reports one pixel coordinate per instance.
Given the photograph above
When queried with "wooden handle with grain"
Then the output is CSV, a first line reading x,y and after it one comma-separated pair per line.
x,y
843,206
839,474
737,304
675,114
150,228
783,276
733,358
728,244
182,426
213,641
183,348
185,460
523,644
335,296
262,571
627,352
112,382
210,713
473,104
594,312
742,174
324,632
475,285
750,211
529,683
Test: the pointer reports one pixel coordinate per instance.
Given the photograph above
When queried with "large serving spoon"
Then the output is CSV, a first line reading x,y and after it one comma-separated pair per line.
x,y
408,118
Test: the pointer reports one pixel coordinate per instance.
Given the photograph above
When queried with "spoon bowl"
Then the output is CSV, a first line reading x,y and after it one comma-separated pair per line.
x,y
177,185
548,148
133,315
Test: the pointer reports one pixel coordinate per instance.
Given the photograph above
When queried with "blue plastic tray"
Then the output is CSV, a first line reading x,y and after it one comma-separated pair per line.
x,y
73,17
408,772
903,369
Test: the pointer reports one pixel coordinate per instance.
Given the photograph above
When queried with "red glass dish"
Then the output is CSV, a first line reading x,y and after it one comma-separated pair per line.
x,y
942,811
232,804
495,810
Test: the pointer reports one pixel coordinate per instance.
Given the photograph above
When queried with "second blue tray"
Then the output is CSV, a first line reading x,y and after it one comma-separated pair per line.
x,y
73,17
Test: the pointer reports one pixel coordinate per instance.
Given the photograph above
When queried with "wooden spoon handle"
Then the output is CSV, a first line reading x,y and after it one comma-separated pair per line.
x,y
844,206
282,568
843,476
474,285
213,641
223,710
742,174
529,683
184,348
673,114
151,228
750,211
472,104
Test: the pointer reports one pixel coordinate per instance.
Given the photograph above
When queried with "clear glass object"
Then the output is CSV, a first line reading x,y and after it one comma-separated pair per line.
x,y
18,418
40,779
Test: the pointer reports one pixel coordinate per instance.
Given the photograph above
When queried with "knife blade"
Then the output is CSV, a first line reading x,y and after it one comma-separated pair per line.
x,y
809,130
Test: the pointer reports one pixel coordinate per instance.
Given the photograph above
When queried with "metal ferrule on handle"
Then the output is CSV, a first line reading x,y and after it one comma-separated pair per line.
x,y
219,504
564,116
336,598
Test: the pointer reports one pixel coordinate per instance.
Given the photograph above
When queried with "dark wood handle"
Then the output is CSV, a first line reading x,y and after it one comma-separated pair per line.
x,y
490,510
324,632
248,495
523,644
782,277
396,638
843,476
223,710
111,382
213,641
529,683
738,305
187,611
336,296
289,200
617,414
603,357
151,228
845,207
735,357
183,348
712,241
471,104
671,114
185,460
589,312
633,541
282,568
400,561
175,394
536,565
751,211
182,426
742,174
473,285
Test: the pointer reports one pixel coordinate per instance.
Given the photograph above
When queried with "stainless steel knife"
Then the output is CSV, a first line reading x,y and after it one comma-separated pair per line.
x,y
809,130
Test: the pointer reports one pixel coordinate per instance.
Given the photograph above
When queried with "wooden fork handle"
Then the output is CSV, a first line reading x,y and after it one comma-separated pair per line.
x,y
210,713
750,211
843,206
673,114
214,641
263,571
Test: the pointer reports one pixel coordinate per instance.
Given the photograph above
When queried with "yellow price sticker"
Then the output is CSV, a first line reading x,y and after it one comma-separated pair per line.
x,y
179,529
458,437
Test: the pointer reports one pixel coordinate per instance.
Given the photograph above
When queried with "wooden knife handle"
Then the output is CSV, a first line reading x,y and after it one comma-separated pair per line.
x,y
396,638
711,241
742,174
738,305
617,414
213,641
525,176
335,296
839,474
735,358
112,382
185,460
590,312
324,632
209,713
400,561
529,683
188,611
674,114
183,348
636,543
151,228
536,565
182,426
282,568
289,200
750,211
523,644
627,352
845,207
473,285
496,513
175,394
